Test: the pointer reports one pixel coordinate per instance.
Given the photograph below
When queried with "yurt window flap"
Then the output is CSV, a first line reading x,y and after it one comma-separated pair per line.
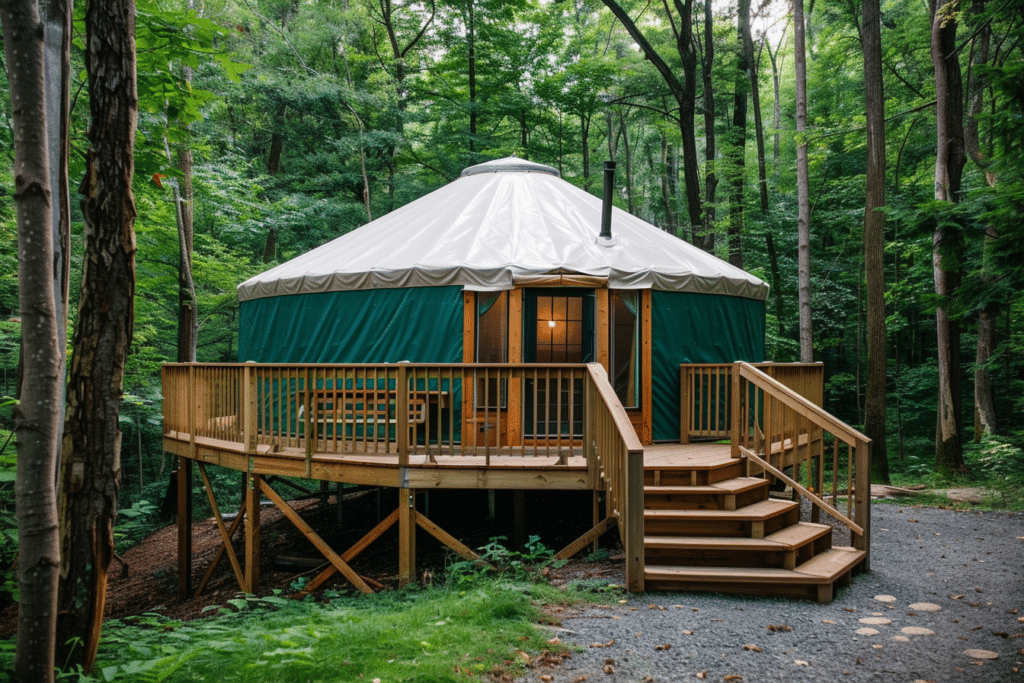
x,y
625,346
697,328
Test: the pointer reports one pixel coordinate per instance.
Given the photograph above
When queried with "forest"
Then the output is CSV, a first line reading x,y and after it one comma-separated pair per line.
x,y
268,127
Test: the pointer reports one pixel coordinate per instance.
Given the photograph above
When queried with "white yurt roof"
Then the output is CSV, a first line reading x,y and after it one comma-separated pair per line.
x,y
501,222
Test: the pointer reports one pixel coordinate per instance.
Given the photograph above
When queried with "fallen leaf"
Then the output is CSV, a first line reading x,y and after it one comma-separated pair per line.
x,y
523,655
554,641
800,662
579,679
955,597
752,648
609,662
877,646
609,669
610,643
687,633
827,621
547,678
780,627
733,677
658,648
912,520
702,675
597,645
849,609
649,679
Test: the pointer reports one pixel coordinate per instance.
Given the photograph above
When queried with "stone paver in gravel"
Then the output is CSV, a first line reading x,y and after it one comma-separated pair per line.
x,y
877,621
924,607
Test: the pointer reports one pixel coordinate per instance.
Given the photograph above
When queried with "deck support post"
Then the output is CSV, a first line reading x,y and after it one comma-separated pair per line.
x,y
252,533
184,504
519,519
634,520
862,501
406,536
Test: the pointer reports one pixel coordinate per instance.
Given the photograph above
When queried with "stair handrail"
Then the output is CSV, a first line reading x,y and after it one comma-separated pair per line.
x,y
616,456
857,443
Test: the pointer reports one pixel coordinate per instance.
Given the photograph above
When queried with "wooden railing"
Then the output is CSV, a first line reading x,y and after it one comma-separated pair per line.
x,y
412,409
616,454
705,396
777,430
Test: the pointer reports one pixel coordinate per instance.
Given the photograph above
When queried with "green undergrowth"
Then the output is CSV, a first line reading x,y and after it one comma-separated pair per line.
x,y
995,472
490,630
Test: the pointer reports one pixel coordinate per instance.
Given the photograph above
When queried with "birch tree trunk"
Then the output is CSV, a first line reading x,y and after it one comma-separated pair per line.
x,y
803,188
36,417
92,439
950,159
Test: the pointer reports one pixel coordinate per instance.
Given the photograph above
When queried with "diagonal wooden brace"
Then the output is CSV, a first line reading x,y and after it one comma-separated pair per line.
x,y
308,532
351,553
586,539
447,539
225,535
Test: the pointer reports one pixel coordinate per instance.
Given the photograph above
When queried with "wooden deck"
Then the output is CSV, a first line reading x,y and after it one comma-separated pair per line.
x,y
690,515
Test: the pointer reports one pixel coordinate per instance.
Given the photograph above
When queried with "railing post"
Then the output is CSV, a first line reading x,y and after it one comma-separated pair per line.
x,y
737,409
862,501
309,420
248,408
402,418
685,407
633,492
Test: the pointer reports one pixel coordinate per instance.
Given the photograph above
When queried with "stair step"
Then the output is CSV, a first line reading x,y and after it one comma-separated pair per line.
x,y
734,485
757,512
746,575
828,566
712,543
799,534
785,540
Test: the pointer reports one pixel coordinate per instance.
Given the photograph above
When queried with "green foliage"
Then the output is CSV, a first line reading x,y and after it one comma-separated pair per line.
x,y
412,635
514,565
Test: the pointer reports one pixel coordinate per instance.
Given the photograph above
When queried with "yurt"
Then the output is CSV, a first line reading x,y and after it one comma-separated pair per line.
x,y
510,264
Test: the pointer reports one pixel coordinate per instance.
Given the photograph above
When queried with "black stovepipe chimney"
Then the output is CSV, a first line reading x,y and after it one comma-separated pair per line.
x,y
606,206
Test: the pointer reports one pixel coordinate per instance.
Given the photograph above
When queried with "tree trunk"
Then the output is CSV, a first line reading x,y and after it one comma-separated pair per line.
x,y
984,402
950,159
471,56
755,101
92,439
684,92
803,189
738,146
36,417
706,241
667,196
874,239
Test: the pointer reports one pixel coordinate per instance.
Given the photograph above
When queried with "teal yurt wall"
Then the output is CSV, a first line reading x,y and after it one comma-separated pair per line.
x,y
416,324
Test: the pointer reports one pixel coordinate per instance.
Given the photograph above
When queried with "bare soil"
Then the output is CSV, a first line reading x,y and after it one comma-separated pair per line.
x,y
147,580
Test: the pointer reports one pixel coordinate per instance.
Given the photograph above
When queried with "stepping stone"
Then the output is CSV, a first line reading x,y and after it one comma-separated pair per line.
x,y
917,631
924,607
866,632
981,654
902,639
885,598
876,620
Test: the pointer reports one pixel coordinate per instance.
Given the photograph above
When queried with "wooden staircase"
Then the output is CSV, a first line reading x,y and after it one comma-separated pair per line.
x,y
708,528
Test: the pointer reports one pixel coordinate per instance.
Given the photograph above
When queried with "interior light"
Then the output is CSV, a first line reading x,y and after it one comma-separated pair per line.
x,y
551,323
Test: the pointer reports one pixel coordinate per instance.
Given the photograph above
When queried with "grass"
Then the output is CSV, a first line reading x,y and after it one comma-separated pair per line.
x,y
487,631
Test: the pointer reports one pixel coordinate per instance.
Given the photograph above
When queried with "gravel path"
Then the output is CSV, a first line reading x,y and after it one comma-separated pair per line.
x,y
967,567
